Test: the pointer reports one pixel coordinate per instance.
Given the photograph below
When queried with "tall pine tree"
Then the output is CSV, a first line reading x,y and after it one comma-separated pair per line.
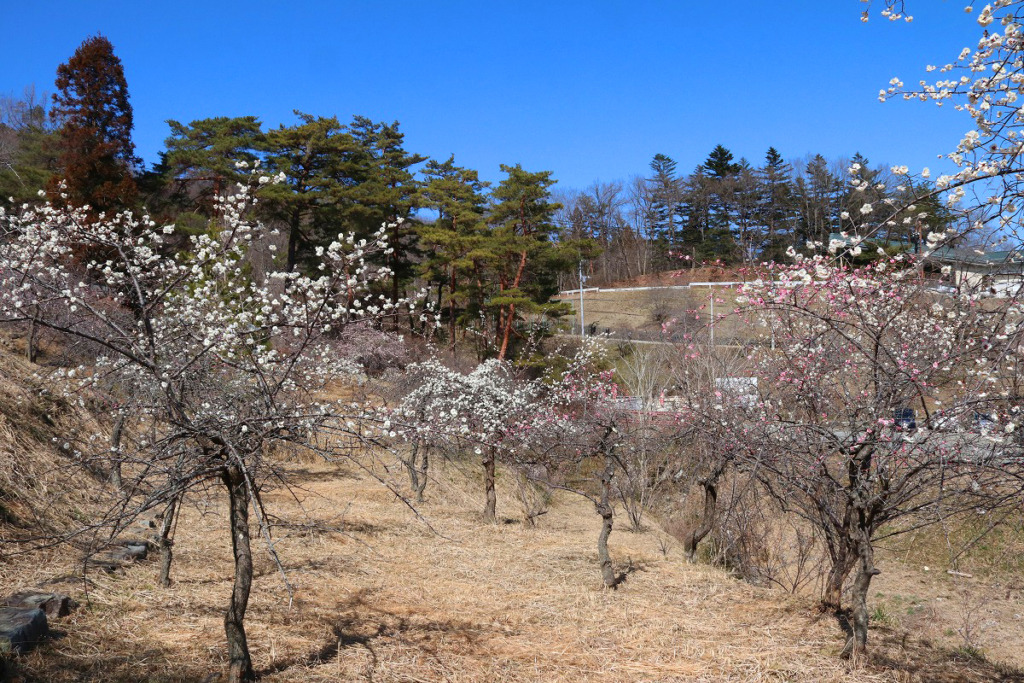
x,y
524,257
457,195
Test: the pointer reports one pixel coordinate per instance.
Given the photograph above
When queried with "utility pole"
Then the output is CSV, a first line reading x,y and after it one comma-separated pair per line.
x,y
583,324
711,291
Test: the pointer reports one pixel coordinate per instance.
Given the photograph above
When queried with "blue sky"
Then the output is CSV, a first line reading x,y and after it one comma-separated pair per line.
x,y
588,90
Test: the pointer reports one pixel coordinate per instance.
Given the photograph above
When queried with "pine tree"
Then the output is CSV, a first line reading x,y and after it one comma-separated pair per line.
x,y
457,195
666,198
819,194
721,174
523,255
775,209
315,157
719,164
202,157
387,190
97,157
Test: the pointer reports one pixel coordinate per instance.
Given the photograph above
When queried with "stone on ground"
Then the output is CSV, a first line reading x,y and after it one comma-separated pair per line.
x,y
21,629
54,604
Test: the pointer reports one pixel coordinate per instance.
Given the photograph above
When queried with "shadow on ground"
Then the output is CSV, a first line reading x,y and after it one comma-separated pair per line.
x,y
364,626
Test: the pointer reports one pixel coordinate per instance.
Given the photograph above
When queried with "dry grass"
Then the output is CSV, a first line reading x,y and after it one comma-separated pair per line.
x,y
379,597
39,489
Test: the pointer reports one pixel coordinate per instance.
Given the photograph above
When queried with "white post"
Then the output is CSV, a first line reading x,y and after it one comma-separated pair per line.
x,y
583,323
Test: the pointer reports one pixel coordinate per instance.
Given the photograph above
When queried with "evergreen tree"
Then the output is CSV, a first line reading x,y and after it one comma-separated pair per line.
x,y
721,174
315,157
457,195
747,231
666,198
719,164
696,213
522,252
775,205
387,191
819,194
97,157
201,158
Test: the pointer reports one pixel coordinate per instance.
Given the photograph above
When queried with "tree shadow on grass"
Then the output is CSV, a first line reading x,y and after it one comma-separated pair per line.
x,y
47,665
894,650
630,568
366,627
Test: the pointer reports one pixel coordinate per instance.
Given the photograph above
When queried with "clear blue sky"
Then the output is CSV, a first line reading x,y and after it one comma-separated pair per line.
x,y
590,90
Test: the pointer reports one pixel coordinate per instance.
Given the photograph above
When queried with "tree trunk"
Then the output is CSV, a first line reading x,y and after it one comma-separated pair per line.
x,y
604,508
421,473
451,308
857,641
707,519
30,345
511,316
240,663
507,332
489,494
842,564
115,450
410,465
295,225
166,552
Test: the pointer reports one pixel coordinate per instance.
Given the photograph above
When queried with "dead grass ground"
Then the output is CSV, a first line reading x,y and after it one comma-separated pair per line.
x,y
379,597
682,311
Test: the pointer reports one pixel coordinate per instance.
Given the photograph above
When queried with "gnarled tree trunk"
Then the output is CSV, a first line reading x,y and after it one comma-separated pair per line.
x,y
707,520
842,564
421,473
410,466
604,508
240,663
489,494
857,641
166,543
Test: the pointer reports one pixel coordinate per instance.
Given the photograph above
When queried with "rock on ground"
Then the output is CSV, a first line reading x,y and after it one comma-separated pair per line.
x,y
21,629
54,604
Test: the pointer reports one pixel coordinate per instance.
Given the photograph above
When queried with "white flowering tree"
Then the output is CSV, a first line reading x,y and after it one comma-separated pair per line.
x,y
982,192
215,367
860,353
485,411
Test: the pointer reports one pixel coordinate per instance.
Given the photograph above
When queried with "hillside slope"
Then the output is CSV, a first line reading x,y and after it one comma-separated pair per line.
x,y
42,491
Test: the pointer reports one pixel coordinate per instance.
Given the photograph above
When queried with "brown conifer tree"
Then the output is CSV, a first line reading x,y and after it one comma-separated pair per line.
x,y
97,155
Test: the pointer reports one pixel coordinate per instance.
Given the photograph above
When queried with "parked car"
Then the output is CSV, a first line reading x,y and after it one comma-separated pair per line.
x,y
982,423
906,419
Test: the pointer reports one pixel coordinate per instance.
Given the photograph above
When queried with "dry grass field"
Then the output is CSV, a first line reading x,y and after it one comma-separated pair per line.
x,y
379,596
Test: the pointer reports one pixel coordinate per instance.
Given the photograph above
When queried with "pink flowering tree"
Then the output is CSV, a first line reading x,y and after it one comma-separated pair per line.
x,y
861,354
215,367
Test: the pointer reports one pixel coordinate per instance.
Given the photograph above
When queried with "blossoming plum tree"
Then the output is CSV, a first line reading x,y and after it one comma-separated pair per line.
x,y
857,349
486,411
219,366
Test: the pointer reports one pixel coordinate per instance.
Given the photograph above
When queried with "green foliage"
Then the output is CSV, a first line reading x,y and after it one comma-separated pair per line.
x,y
201,159
316,156
28,148
452,245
